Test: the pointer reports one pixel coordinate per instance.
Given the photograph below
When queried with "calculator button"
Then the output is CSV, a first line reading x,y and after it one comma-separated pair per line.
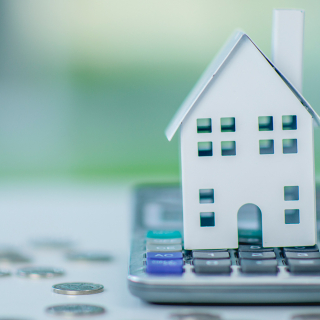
x,y
164,255
259,266
164,266
211,266
210,255
163,234
257,255
212,250
302,249
253,248
303,266
163,248
164,241
302,255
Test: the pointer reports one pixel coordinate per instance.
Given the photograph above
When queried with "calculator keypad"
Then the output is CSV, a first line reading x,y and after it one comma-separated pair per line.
x,y
165,256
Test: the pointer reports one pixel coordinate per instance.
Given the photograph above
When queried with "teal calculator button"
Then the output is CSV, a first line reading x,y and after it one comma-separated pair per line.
x,y
163,234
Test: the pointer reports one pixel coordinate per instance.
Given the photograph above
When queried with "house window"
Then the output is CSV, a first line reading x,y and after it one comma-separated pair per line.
x,y
289,122
206,196
292,216
228,124
205,149
228,148
266,146
207,219
290,145
204,125
265,123
291,193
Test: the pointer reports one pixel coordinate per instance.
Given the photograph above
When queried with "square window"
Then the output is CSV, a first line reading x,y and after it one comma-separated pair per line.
x,y
291,193
204,125
207,219
228,148
292,216
265,123
266,146
228,124
290,145
289,122
206,196
204,149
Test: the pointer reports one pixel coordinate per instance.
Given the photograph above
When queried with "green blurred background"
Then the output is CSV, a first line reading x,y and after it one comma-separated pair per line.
x,y
88,87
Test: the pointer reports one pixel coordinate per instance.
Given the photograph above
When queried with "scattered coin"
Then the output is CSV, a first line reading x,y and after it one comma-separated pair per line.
x,y
4,273
51,243
77,288
75,310
194,316
13,257
90,256
40,272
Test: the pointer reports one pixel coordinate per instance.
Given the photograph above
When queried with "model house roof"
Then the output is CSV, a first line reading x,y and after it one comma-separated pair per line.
x,y
209,74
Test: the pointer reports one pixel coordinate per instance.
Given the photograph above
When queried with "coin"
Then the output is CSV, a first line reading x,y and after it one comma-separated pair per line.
x,y
75,310
90,256
76,288
39,272
51,243
194,316
13,257
4,273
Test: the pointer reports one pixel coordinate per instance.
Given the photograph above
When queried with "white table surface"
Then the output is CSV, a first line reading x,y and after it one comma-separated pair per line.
x,y
95,216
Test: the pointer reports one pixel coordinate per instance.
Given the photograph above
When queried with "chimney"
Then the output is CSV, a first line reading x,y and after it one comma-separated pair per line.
x,y
287,44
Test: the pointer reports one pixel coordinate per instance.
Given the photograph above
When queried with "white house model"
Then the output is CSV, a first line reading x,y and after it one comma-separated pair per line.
x,y
247,137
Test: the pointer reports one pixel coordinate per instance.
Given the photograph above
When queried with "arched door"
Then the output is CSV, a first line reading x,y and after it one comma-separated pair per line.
x,y
249,224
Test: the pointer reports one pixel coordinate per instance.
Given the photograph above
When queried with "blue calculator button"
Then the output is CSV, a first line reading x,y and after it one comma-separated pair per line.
x,y
163,234
164,255
165,266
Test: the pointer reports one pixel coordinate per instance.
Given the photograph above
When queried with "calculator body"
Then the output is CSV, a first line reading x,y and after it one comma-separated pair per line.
x,y
234,279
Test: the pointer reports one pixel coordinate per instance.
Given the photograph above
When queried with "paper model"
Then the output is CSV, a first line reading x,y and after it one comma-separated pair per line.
x,y
247,137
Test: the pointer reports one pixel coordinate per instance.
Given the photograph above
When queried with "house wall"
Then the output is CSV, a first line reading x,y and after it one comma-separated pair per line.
x,y
247,87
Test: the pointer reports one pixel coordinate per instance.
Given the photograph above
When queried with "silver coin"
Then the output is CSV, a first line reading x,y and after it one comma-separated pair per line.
x,y
51,243
90,256
77,288
40,272
13,257
194,316
4,273
75,310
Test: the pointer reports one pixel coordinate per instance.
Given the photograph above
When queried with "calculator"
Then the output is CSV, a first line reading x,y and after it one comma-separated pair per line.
x,y
162,271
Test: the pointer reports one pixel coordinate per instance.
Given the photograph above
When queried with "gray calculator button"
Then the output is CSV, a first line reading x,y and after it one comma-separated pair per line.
x,y
163,241
303,266
259,266
211,266
210,255
163,248
253,248
302,249
302,255
257,255
213,250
